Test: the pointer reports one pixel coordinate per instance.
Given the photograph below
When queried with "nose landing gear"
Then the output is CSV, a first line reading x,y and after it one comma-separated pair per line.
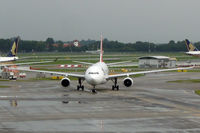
x,y
94,90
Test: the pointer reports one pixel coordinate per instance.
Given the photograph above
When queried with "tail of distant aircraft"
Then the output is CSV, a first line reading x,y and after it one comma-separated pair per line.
x,y
101,50
190,46
13,51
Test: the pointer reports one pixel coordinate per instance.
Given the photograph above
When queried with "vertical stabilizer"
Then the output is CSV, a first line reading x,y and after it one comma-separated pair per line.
x,y
13,51
101,50
190,46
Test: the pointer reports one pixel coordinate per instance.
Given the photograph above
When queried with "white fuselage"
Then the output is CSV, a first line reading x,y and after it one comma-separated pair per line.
x,y
96,74
194,53
5,59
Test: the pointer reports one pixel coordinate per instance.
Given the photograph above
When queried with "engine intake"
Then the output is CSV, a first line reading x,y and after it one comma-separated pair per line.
x,y
65,82
128,82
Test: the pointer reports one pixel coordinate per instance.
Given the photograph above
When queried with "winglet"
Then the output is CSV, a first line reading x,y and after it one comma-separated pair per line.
x,y
190,46
101,50
13,51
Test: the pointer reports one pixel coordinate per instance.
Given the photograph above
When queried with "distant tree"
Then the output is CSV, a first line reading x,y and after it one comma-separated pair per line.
x,y
171,42
109,46
59,42
50,42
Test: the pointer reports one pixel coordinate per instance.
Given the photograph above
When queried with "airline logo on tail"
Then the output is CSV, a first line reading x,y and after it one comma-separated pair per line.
x,y
13,51
190,46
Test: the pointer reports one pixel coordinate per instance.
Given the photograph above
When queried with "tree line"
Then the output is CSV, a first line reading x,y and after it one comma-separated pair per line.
x,y
86,45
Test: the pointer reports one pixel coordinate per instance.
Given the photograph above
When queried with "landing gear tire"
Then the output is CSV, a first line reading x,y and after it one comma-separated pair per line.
x,y
115,87
80,87
94,91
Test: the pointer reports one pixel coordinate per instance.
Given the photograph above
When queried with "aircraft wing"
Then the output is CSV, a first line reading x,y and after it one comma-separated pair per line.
x,y
51,72
146,72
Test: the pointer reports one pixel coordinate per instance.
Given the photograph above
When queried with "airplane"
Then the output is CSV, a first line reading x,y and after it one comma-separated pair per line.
x,y
98,73
192,50
12,53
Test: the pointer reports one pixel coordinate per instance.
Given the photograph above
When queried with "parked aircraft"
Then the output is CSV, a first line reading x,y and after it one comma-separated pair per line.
x,y
12,53
98,73
192,50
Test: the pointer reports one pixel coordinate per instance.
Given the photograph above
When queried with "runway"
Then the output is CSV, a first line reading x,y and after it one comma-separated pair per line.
x,y
151,105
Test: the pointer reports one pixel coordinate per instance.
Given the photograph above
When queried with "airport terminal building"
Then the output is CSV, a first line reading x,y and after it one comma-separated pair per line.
x,y
157,62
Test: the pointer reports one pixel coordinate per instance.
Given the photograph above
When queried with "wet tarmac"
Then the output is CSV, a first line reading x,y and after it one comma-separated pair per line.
x,y
150,105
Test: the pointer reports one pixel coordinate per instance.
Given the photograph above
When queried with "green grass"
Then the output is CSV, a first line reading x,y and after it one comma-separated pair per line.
x,y
68,57
35,79
179,55
137,75
4,80
186,81
197,92
49,78
194,70
4,86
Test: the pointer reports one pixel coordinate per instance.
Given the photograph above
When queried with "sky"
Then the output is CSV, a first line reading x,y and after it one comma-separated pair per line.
x,y
157,21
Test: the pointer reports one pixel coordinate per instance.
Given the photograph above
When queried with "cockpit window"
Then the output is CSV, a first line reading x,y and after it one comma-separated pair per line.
x,y
93,73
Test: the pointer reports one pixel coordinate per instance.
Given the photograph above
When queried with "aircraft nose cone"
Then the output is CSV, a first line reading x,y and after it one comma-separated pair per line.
x,y
94,80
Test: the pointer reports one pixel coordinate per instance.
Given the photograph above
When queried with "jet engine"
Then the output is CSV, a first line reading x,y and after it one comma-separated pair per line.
x,y
128,82
65,82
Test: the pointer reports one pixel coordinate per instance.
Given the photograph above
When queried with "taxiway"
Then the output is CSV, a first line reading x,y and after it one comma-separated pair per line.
x,y
152,104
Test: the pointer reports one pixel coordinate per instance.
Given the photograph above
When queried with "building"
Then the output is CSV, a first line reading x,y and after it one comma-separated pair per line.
x,y
157,62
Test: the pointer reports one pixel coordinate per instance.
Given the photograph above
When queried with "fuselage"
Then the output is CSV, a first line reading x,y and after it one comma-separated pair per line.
x,y
194,53
97,74
5,59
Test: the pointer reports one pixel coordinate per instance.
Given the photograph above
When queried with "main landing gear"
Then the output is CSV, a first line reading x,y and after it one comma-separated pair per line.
x,y
115,86
80,86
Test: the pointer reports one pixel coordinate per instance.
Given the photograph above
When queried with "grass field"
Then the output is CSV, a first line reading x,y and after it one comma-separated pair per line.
x,y
197,92
86,56
4,86
68,58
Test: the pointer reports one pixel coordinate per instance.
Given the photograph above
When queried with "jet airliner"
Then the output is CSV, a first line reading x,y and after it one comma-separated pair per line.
x,y
12,53
98,73
192,50
12,57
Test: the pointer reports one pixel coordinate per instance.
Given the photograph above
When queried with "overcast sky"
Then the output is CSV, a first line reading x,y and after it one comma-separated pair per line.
x,y
122,20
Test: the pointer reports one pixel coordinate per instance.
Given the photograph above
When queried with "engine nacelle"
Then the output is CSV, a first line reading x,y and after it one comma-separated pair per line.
x,y
65,82
128,82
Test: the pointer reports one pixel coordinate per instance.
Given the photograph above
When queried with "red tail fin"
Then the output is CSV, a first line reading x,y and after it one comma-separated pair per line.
x,y
101,50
